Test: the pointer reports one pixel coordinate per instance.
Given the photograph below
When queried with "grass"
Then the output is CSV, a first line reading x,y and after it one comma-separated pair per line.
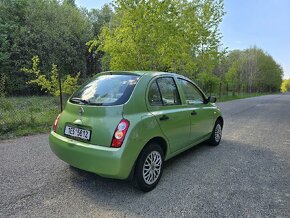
x,y
21,116
231,97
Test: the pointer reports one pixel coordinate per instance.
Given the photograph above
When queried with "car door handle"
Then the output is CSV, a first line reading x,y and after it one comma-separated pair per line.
x,y
164,117
193,113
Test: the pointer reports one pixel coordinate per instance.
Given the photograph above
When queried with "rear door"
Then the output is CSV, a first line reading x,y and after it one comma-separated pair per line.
x,y
201,114
165,104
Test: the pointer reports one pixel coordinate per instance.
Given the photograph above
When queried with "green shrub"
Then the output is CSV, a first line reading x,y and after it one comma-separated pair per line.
x,y
51,85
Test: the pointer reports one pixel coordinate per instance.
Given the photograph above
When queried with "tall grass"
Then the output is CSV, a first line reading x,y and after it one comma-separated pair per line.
x,y
21,116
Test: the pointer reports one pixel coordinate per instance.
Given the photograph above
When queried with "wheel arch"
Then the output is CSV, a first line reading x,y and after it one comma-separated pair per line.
x,y
160,141
220,118
156,139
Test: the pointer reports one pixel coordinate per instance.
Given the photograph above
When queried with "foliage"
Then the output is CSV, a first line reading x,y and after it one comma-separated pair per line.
x,y
180,36
51,85
99,18
232,76
252,70
208,81
3,78
70,84
5,105
285,86
269,75
56,31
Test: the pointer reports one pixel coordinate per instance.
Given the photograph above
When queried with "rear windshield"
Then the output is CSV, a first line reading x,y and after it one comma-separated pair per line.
x,y
106,90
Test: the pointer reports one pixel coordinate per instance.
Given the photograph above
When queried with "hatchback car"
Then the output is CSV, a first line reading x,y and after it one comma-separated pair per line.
x,y
126,124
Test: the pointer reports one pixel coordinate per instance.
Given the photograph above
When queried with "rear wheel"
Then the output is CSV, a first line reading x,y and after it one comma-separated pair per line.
x,y
149,167
216,134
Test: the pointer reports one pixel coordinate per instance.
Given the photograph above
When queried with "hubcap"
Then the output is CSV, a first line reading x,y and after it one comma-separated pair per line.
x,y
218,133
152,167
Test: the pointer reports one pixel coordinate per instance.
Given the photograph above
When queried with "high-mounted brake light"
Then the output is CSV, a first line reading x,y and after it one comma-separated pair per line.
x,y
55,123
120,133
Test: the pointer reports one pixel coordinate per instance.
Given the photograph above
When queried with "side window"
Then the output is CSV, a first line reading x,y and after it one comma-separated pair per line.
x,y
191,93
168,91
154,96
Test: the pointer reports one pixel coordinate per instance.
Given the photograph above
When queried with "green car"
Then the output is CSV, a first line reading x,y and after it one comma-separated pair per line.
x,y
124,125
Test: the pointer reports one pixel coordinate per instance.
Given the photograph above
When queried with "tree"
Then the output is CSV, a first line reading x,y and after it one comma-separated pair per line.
x,y
285,86
98,19
169,35
61,30
56,31
12,42
252,70
250,67
269,77
2,85
70,2
208,81
232,76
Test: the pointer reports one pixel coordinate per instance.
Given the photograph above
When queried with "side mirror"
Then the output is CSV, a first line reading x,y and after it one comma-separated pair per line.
x,y
211,99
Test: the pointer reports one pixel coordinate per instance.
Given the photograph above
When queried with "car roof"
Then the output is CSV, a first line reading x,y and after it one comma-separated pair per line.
x,y
142,73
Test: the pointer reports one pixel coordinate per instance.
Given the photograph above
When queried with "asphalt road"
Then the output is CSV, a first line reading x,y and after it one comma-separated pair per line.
x,y
247,175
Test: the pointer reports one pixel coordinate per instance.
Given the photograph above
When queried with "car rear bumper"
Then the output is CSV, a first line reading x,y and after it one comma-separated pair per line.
x,y
104,161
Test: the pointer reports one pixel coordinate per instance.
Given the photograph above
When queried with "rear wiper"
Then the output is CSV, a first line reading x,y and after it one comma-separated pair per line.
x,y
80,100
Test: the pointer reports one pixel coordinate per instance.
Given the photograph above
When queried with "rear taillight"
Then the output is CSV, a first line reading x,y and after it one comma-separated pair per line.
x,y
55,123
120,133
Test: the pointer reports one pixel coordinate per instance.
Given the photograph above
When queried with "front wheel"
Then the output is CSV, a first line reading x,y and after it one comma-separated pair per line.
x,y
216,134
149,167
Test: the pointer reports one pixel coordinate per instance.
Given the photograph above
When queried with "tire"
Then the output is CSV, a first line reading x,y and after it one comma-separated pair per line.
x,y
147,175
216,134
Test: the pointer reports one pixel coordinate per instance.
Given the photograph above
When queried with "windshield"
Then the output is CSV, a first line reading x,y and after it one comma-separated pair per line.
x,y
106,90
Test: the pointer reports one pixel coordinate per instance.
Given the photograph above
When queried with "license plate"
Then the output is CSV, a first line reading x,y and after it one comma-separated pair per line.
x,y
77,133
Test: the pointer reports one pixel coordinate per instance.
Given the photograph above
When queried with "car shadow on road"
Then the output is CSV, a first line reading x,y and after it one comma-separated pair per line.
x,y
231,175
80,177
195,150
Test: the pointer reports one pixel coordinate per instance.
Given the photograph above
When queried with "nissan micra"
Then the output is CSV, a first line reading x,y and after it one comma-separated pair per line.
x,y
126,124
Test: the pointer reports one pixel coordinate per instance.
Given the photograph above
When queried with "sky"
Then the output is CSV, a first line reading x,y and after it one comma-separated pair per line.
x,y
248,23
